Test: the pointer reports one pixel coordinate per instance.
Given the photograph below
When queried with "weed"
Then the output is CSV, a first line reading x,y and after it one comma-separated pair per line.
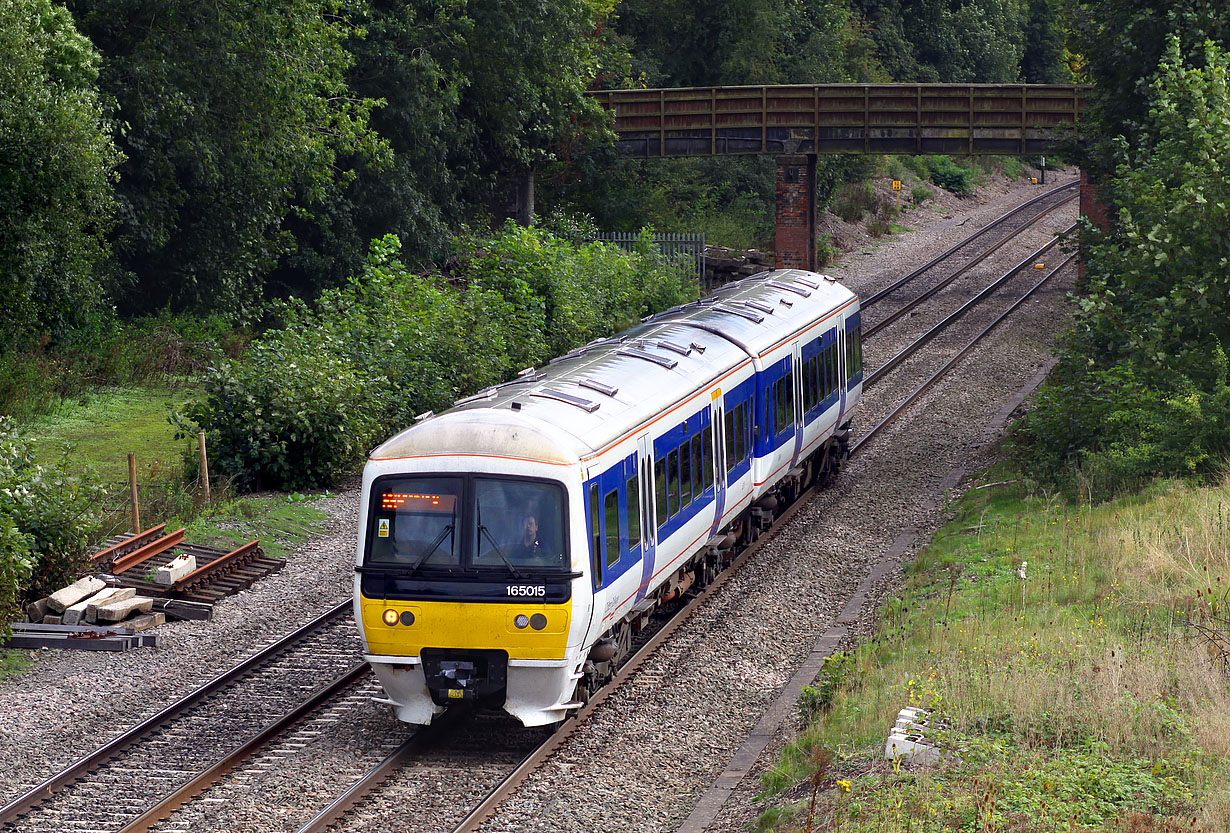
x,y
852,201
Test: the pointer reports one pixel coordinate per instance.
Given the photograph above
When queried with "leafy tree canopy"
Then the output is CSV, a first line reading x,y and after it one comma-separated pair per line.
x,y
227,110
56,167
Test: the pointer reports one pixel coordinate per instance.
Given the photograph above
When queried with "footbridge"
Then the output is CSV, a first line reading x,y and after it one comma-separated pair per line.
x,y
797,122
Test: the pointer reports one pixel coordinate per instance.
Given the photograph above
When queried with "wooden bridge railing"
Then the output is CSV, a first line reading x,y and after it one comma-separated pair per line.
x,y
846,118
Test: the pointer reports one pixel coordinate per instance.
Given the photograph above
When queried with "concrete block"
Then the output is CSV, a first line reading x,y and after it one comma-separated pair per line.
x,y
907,739
51,619
145,621
175,569
63,599
121,610
35,611
111,594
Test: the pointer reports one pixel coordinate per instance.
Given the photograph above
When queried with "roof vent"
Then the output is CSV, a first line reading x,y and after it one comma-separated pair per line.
x,y
669,364
763,307
675,347
742,313
598,386
529,371
785,302
789,288
424,416
699,348
806,282
559,396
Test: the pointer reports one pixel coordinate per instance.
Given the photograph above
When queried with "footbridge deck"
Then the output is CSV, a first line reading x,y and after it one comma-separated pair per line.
x,y
846,118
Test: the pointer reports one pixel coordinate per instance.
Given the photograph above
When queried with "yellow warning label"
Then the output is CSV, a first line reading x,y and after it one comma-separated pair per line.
x,y
382,528
896,185
456,694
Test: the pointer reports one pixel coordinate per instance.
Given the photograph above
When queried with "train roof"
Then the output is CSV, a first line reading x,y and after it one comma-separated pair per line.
x,y
585,401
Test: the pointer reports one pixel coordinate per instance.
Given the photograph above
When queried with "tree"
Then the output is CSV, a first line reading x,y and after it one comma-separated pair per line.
x,y
1122,43
227,110
56,168
475,94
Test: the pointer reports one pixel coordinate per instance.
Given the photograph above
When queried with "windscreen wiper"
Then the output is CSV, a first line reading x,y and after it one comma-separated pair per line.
x,y
435,545
499,551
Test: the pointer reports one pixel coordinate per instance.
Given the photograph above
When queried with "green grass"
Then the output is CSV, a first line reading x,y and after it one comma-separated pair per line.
x,y
279,521
97,431
1079,698
13,663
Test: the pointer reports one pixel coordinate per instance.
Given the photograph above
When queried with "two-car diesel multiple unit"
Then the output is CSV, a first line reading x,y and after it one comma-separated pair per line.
x,y
510,547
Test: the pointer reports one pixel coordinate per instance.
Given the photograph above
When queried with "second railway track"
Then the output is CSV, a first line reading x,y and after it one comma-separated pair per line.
x,y
442,815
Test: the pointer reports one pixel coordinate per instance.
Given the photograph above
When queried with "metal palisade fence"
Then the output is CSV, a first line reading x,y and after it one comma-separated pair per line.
x,y
684,249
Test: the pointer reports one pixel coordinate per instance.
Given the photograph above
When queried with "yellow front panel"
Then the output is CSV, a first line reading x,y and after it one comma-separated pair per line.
x,y
465,625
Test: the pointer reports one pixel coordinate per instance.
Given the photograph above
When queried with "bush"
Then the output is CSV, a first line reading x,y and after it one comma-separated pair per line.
x,y
46,516
311,397
1104,432
950,176
920,193
853,201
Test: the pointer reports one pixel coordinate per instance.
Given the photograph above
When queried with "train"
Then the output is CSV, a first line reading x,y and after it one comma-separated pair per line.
x,y
511,547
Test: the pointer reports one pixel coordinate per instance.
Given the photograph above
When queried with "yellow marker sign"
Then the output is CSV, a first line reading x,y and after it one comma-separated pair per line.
x,y
896,185
456,694
382,528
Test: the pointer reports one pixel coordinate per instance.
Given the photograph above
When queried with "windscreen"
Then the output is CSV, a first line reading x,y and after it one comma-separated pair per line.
x,y
520,522
416,522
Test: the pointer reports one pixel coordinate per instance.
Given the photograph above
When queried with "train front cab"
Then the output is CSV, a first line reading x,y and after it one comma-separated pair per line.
x,y
459,601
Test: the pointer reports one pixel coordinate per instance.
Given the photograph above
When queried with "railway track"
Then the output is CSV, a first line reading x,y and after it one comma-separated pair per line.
x,y
118,782
154,792
331,815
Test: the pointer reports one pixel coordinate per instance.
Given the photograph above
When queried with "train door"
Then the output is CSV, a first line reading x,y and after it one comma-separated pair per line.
x,y
717,459
648,512
797,399
840,358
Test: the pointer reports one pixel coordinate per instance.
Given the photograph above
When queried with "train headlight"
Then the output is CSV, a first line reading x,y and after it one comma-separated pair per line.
x,y
390,617
521,620
407,618
538,621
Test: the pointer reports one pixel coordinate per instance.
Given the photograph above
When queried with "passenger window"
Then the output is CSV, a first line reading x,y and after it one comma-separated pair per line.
x,y
634,512
707,452
788,383
731,457
698,472
685,475
659,484
595,541
780,400
740,432
806,385
858,348
672,481
610,507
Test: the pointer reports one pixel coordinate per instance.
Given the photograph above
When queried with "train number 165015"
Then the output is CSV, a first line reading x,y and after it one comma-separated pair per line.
x,y
526,589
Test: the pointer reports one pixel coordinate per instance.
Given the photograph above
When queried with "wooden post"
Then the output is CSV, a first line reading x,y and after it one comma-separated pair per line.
x,y
204,468
132,490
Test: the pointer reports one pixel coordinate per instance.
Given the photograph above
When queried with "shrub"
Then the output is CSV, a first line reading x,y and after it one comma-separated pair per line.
x,y
950,176
920,193
46,516
1109,431
310,397
853,201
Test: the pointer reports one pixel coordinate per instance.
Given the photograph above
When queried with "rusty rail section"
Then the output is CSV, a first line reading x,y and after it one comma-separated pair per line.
x,y
128,544
846,118
145,553
233,560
